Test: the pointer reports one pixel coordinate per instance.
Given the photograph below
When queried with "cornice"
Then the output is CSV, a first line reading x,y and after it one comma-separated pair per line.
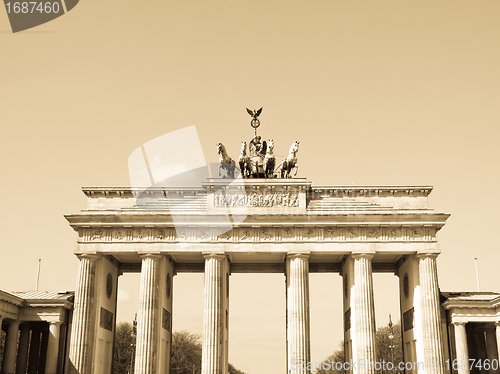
x,y
470,304
341,191
114,218
49,303
382,191
11,299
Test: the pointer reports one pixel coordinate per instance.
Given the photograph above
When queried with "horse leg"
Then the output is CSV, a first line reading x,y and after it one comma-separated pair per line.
x,y
271,168
268,169
242,168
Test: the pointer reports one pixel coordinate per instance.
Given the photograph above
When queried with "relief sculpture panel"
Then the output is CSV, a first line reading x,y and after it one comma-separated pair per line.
x,y
256,199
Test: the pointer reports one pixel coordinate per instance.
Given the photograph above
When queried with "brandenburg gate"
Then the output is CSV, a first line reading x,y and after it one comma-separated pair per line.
x,y
251,220
255,225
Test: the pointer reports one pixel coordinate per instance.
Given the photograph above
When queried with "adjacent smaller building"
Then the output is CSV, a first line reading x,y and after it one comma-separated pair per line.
x,y
39,322
473,321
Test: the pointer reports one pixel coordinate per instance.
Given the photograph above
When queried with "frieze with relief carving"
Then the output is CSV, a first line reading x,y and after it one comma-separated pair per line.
x,y
256,199
262,234
288,233
266,234
246,234
309,234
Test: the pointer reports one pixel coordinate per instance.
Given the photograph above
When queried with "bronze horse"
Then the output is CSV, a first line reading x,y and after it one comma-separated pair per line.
x,y
225,162
269,160
244,161
290,162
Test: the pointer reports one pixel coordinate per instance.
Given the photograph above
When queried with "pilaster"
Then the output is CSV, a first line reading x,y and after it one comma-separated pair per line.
x,y
298,316
166,287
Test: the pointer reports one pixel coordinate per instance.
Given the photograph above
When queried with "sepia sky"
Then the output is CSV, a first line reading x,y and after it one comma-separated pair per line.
x,y
386,92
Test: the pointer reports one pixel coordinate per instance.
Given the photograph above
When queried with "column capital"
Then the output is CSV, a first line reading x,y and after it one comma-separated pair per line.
x,y
423,254
458,323
216,255
298,255
154,255
88,256
497,323
15,322
367,255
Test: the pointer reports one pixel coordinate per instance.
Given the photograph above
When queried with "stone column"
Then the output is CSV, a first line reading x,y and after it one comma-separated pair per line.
x,y
22,353
364,312
43,350
9,356
213,318
431,317
34,355
147,321
461,347
298,320
52,348
82,332
491,348
497,327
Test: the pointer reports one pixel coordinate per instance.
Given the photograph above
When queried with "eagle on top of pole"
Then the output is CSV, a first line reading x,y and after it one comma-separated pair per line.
x,y
255,121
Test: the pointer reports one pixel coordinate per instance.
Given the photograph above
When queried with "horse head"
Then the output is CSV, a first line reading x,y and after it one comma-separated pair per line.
x,y
270,146
221,148
243,148
294,147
